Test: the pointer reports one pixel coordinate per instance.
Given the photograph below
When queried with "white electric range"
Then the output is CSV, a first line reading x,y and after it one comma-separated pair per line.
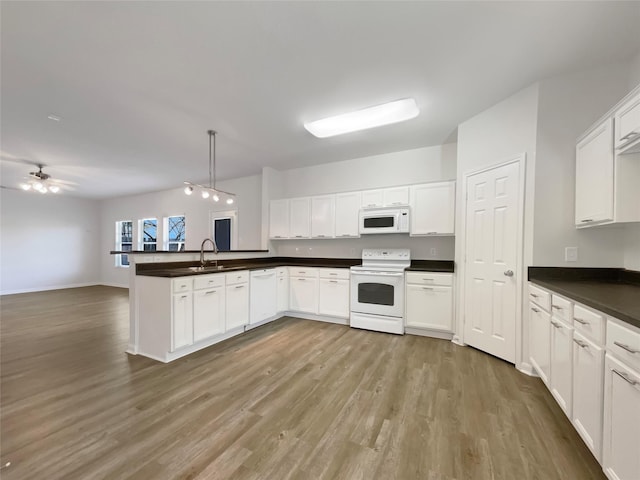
x,y
377,290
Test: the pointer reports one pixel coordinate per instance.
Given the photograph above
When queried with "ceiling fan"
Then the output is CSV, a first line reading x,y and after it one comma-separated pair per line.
x,y
39,181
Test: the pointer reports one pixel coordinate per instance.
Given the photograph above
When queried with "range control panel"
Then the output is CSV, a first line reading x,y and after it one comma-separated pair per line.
x,y
392,254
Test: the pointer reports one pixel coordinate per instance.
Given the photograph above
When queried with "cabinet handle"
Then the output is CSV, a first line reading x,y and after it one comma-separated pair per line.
x,y
587,220
210,292
240,286
333,274
183,296
626,347
277,236
535,309
581,343
298,236
396,203
427,288
428,280
556,307
344,235
371,205
533,295
579,320
625,377
333,281
431,233
630,135
557,325
320,236
302,279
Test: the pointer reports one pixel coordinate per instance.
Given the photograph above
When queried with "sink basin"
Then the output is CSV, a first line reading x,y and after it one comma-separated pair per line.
x,y
208,268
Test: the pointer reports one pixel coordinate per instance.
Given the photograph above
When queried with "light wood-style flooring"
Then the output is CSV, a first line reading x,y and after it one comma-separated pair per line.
x,y
293,399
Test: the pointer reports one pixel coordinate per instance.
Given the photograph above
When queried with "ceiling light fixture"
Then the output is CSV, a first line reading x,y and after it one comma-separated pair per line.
x,y
385,114
211,190
40,182
55,118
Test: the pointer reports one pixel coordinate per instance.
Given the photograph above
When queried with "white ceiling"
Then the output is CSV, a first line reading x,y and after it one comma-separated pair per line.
x,y
138,84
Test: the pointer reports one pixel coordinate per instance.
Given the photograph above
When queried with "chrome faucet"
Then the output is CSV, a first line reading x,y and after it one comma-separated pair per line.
x,y
215,250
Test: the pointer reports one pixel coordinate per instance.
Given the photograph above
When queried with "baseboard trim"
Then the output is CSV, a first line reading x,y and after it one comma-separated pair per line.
x,y
428,333
457,341
48,288
117,285
318,318
527,369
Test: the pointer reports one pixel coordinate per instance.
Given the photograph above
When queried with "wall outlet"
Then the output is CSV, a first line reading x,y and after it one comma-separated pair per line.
x,y
571,254
433,252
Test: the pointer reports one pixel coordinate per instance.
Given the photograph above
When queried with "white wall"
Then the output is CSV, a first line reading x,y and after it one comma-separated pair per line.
x,y
568,106
632,232
47,241
634,72
198,218
421,165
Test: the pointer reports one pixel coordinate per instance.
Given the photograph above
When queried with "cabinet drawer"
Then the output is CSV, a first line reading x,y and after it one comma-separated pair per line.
x,y
208,281
561,308
589,323
539,296
182,284
335,273
241,276
624,343
303,272
281,272
428,278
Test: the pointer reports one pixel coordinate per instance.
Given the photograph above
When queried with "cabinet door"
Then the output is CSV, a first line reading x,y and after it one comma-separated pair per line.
x,y
433,209
182,321
237,305
396,196
372,198
621,442
208,313
562,364
279,219
323,216
334,298
588,368
303,294
283,293
594,176
627,122
299,218
540,341
348,214
429,307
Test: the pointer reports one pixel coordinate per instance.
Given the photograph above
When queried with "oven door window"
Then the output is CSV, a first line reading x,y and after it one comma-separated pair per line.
x,y
375,293
379,222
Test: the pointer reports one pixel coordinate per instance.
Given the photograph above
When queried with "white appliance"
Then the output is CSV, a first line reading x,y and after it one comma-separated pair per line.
x,y
377,290
384,220
263,295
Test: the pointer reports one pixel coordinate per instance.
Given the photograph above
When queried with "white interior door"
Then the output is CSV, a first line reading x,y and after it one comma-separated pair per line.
x,y
491,256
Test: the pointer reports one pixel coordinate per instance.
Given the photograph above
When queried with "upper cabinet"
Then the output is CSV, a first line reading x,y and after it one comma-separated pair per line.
x,y
608,167
385,197
372,198
433,209
299,217
594,176
627,125
347,214
323,214
279,219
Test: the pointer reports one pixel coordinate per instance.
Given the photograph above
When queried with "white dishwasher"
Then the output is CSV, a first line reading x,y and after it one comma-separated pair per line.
x,y
263,296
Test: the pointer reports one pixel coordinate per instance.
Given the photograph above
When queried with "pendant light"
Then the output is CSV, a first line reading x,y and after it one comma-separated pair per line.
x,y
211,190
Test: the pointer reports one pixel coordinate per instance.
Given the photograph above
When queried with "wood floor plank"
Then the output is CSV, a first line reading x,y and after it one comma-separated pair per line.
x,y
291,400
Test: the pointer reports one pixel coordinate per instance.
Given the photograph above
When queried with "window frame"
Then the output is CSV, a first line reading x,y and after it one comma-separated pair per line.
x,y
122,260
167,234
141,233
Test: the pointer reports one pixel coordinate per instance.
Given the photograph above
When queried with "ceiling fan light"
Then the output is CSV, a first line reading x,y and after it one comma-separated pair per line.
x,y
216,197
38,186
188,190
25,186
54,189
229,201
376,116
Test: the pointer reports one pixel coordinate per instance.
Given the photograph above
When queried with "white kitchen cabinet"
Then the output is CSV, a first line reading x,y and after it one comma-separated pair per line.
x,y
396,196
208,313
627,125
333,297
182,320
282,289
429,307
279,219
237,305
323,216
594,176
303,292
433,209
300,217
621,436
588,367
263,289
540,341
373,198
562,364
347,214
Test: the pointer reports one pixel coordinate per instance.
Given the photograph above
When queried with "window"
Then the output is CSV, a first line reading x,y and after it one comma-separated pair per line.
x,y
124,241
224,230
148,229
175,228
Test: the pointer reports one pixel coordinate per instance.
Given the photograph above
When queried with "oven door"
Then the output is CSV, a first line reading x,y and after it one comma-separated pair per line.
x,y
377,293
379,222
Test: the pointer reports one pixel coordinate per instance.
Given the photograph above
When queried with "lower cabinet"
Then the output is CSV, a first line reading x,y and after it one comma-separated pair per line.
x,y
540,341
282,289
208,313
182,320
429,301
303,294
334,298
237,305
561,364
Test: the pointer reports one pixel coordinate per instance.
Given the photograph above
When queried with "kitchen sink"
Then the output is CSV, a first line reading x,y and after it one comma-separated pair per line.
x,y
208,268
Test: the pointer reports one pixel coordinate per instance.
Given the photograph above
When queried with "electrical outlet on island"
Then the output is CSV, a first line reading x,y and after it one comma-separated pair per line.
x,y
571,254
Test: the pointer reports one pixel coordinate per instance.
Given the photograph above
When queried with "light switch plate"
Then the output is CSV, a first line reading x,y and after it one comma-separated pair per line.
x,y
571,254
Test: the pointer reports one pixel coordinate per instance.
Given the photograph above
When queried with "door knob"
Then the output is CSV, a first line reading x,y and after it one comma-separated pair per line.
x,y
509,273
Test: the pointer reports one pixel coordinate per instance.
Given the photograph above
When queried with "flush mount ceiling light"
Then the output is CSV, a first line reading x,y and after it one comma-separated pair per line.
x,y
40,182
385,114
211,190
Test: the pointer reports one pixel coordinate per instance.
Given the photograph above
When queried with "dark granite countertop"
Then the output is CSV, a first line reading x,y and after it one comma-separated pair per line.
x,y
181,269
613,291
155,252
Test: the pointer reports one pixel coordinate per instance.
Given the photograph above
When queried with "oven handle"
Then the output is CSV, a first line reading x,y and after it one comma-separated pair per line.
x,y
378,274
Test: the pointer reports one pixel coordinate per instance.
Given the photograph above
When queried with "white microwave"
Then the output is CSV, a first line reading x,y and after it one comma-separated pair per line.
x,y
384,220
